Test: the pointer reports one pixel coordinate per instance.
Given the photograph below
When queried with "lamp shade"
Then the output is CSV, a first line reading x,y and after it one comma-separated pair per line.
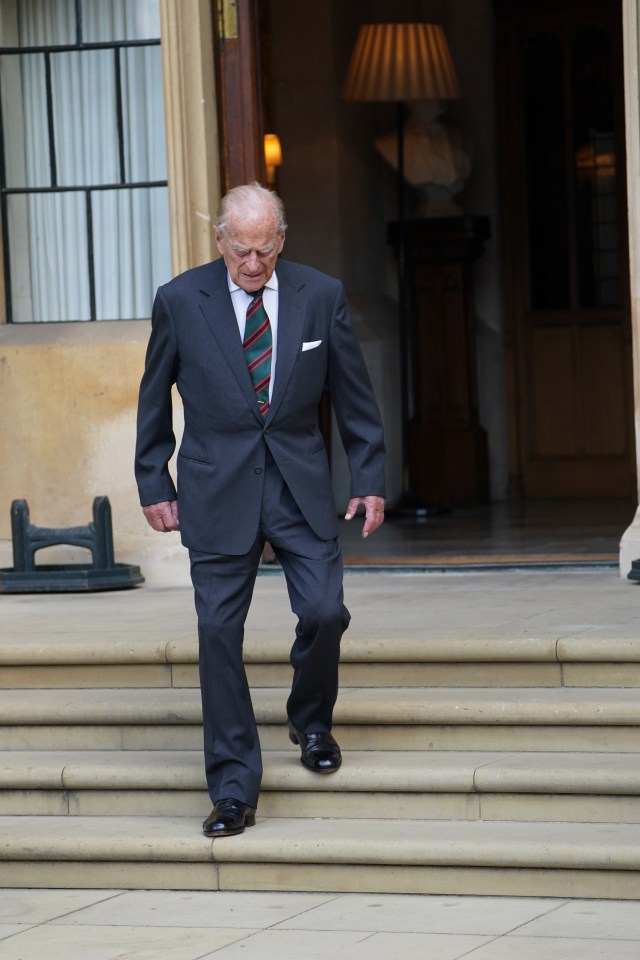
x,y
401,61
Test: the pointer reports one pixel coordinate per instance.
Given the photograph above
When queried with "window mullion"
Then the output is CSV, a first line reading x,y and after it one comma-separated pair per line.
x,y
4,222
79,22
90,257
120,115
53,167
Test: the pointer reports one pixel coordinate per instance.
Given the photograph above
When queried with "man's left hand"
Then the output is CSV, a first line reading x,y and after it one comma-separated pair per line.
x,y
374,512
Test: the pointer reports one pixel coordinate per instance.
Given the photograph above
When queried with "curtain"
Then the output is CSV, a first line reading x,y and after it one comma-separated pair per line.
x,y
123,233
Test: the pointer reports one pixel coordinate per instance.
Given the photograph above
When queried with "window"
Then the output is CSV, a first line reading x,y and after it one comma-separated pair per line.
x,y
572,181
83,188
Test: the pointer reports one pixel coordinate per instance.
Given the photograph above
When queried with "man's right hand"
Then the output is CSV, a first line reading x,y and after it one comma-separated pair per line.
x,y
163,517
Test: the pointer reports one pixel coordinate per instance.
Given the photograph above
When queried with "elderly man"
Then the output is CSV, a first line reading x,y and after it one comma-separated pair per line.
x,y
251,341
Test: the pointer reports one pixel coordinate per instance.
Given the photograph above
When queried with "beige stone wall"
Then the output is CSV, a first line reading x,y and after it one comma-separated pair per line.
x,y
68,397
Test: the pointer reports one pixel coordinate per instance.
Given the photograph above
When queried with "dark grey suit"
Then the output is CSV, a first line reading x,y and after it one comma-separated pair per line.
x,y
243,478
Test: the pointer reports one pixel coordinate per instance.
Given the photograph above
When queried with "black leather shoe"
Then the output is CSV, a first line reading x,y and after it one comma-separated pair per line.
x,y
228,818
319,751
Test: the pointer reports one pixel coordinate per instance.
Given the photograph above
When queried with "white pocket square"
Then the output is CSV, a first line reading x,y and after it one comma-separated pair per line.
x,y
310,344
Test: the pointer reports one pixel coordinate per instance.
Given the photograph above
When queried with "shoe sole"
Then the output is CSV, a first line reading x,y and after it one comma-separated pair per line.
x,y
320,769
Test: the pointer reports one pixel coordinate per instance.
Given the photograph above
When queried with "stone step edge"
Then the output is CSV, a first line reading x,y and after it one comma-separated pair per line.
x,y
393,706
464,772
499,844
416,647
326,878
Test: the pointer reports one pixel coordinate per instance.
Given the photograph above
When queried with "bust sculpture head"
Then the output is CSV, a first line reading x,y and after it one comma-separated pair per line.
x,y
437,157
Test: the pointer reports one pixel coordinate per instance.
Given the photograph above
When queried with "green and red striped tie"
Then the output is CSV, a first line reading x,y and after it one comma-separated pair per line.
x,y
257,345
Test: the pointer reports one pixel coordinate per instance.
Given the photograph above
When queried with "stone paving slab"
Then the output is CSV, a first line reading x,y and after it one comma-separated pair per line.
x,y
143,925
110,943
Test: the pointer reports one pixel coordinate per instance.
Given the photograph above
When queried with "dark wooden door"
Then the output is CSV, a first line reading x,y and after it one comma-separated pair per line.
x,y
565,266
238,76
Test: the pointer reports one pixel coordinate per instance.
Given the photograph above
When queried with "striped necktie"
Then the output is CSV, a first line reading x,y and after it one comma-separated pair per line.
x,y
257,345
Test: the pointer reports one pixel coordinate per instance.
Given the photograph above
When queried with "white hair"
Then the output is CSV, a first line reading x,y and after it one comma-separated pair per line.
x,y
253,200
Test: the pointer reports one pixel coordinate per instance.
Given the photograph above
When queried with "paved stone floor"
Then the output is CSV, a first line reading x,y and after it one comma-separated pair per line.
x,y
525,530
166,925
544,604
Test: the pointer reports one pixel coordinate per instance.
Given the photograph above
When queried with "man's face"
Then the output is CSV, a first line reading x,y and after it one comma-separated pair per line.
x,y
250,248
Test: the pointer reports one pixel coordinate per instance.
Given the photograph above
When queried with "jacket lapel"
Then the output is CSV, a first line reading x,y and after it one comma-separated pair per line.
x,y
221,318
218,311
290,329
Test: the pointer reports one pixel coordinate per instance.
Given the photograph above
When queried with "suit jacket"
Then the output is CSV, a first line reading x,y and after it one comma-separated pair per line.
x,y
195,343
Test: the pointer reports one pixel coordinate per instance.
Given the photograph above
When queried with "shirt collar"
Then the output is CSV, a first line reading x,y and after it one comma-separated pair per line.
x,y
272,283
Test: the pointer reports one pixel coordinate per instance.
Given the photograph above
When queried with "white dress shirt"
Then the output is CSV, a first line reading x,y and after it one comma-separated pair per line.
x,y
241,300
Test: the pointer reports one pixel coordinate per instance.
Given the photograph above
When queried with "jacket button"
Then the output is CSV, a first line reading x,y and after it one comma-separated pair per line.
x,y
258,469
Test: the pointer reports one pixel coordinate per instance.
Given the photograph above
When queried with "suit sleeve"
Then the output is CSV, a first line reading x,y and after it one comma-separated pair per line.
x,y
354,403
155,440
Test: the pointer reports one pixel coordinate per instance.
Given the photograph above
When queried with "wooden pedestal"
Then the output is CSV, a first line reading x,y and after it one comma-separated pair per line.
x,y
447,447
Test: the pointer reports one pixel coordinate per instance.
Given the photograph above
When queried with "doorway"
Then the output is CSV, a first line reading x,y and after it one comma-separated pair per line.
x,y
565,266
561,189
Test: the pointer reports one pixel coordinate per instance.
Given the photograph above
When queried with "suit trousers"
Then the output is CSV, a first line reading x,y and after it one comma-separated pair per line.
x,y
223,587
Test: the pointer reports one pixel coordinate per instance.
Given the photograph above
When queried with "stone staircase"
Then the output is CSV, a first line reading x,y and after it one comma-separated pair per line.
x,y
504,765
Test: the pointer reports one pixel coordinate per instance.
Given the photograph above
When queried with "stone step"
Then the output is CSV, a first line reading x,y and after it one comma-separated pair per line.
x,y
371,784
599,719
279,675
374,737
389,705
476,760
411,659
370,855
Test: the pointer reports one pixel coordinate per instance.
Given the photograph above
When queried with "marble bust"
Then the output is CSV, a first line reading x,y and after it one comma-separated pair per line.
x,y
437,157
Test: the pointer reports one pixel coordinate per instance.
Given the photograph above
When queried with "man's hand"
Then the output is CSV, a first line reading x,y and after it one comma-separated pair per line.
x,y
163,517
374,512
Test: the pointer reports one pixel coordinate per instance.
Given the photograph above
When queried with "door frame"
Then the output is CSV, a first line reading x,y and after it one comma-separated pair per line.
x,y
630,542
212,115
